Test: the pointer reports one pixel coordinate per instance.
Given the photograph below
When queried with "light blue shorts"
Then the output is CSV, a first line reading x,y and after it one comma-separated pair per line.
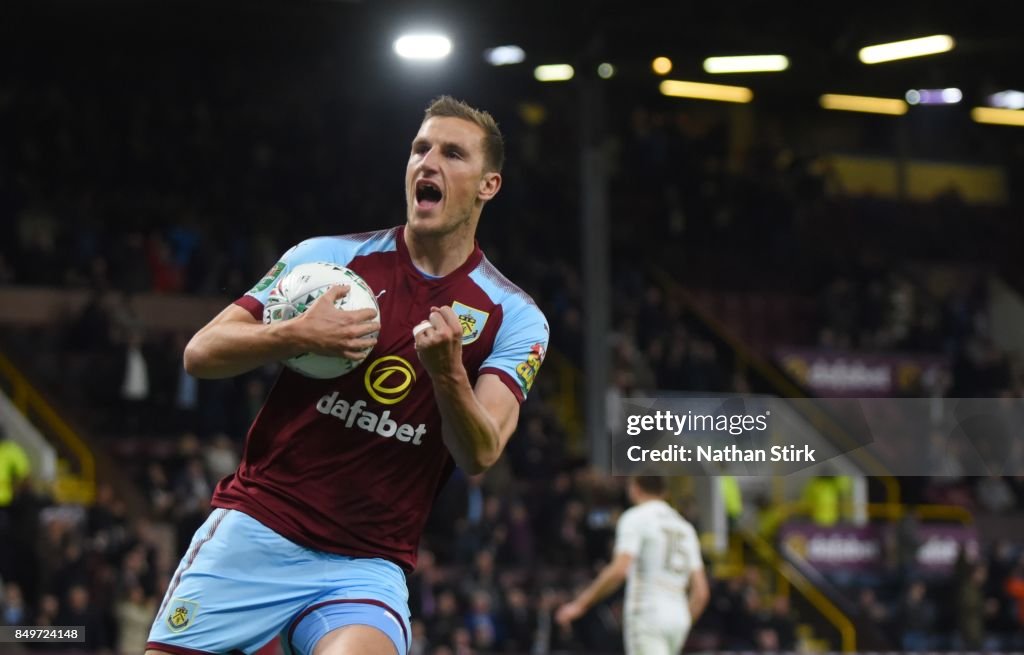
x,y
241,584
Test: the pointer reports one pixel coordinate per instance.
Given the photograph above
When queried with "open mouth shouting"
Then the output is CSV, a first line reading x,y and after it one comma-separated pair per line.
x,y
428,195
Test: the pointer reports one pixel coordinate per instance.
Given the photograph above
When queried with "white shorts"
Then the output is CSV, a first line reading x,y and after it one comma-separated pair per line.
x,y
651,638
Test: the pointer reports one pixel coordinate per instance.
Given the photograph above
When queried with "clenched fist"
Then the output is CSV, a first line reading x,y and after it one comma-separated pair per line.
x,y
439,342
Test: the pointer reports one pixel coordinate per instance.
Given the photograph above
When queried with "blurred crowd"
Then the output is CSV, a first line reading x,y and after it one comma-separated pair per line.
x,y
979,607
95,567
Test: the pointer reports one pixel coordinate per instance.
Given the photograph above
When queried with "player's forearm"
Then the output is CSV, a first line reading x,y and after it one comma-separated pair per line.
x,y
698,597
470,433
226,349
606,583
696,606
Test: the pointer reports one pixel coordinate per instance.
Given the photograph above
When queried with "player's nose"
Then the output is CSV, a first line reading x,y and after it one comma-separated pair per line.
x,y
430,160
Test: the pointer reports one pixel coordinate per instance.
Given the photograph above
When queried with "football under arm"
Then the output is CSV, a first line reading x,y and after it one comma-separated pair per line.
x,y
699,594
234,342
476,423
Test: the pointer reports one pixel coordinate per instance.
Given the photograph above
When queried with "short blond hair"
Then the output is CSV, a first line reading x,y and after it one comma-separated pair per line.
x,y
494,143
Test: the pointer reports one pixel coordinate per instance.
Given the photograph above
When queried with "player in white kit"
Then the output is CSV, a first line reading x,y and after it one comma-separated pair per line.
x,y
657,550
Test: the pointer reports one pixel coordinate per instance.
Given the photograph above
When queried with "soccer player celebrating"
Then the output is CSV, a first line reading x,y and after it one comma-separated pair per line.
x,y
310,538
657,550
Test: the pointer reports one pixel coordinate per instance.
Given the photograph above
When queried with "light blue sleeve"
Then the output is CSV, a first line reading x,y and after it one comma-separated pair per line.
x,y
318,249
519,348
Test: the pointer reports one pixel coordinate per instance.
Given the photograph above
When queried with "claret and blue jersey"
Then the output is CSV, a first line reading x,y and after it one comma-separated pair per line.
x,y
352,465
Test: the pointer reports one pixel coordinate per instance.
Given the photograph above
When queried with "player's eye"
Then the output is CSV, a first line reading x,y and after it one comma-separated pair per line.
x,y
421,148
454,154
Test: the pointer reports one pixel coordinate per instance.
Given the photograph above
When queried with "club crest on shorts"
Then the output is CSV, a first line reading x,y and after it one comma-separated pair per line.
x,y
180,614
472,321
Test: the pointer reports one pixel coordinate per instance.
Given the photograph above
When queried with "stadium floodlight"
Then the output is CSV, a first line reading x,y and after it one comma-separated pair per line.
x,y
505,55
661,65
423,46
1008,99
867,104
553,73
702,91
950,96
994,116
605,71
746,64
927,45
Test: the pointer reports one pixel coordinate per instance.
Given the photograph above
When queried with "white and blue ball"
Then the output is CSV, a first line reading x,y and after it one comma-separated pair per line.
x,y
297,290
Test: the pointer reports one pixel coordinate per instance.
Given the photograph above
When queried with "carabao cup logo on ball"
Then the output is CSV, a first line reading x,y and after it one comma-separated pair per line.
x,y
296,291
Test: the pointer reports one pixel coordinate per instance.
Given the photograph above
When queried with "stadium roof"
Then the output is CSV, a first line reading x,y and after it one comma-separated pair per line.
x,y
821,39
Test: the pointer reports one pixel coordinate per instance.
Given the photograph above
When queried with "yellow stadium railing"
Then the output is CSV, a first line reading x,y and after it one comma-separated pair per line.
x,y
783,386
727,564
796,580
788,577
70,486
880,511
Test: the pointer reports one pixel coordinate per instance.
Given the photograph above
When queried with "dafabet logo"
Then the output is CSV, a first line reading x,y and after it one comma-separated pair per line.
x,y
389,379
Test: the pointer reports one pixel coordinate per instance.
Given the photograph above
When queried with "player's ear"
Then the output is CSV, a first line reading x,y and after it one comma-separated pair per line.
x,y
490,183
